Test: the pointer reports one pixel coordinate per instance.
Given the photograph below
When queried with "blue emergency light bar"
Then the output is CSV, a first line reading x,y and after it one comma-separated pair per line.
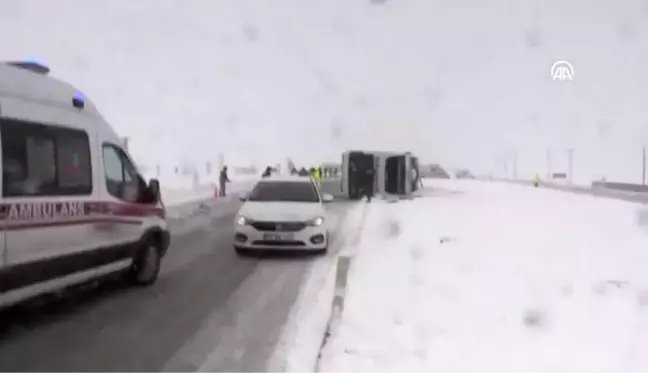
x,y
78,100
31,63
35,65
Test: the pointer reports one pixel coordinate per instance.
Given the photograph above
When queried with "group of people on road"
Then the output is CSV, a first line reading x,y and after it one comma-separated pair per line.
x,y
314,172
223,179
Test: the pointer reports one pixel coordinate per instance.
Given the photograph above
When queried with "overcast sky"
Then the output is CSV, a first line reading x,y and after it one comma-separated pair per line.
x,y
459,82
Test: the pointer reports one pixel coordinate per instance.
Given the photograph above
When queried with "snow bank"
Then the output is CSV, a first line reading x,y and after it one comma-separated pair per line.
x,y
302,336
486,276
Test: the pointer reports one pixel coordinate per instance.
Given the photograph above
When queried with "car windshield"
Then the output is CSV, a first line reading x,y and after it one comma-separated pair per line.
x,y
284,191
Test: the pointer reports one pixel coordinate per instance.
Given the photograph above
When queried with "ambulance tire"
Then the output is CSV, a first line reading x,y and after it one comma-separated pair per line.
x,y
146,265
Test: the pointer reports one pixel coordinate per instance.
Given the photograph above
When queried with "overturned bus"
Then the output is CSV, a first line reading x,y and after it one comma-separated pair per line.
x,y
395,172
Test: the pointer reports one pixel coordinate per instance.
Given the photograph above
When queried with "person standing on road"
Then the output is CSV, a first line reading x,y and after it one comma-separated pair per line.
x,y
314,171
223,180
368,183
267,172
355,184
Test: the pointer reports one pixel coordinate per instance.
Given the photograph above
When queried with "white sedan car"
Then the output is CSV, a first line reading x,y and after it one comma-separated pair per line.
x,y
282,212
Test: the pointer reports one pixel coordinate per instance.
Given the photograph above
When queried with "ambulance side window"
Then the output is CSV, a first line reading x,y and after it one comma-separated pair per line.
x,y
44,160
122,181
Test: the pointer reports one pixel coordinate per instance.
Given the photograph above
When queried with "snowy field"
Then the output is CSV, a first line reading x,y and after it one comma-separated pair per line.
x,y
492,277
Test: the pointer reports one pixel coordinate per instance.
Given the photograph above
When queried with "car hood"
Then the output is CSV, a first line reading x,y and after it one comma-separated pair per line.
x,y
281,211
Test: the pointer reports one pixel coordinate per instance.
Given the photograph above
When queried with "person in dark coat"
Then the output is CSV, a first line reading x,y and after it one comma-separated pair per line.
x,y
267,172
355,186
368,183
223,180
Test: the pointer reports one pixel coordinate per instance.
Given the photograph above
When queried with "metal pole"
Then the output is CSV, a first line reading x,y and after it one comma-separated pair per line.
x,y
643,165
515,164
570,153
548,164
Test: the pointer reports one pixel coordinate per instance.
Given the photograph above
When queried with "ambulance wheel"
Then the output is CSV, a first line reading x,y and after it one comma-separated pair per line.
x,y
146,265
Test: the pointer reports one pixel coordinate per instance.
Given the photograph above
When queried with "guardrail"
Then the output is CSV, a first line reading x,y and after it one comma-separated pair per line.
x,y
626,187
597,189
188,203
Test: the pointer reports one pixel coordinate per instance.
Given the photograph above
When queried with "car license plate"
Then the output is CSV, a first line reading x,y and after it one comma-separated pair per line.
x,y
278,237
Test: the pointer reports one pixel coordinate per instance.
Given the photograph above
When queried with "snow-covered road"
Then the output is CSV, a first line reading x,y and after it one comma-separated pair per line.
x,y
211,310
492,276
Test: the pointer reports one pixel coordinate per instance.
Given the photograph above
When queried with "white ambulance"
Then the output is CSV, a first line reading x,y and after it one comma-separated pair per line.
x,y
72,204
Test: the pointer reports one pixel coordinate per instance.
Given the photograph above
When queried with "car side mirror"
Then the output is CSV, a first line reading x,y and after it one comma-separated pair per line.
x,y
243,197
154,189
327,198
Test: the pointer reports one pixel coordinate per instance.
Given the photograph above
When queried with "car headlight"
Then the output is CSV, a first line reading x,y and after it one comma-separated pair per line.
x,y
316,222
242,220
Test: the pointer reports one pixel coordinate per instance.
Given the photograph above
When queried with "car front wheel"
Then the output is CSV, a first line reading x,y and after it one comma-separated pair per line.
x,y
146,266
